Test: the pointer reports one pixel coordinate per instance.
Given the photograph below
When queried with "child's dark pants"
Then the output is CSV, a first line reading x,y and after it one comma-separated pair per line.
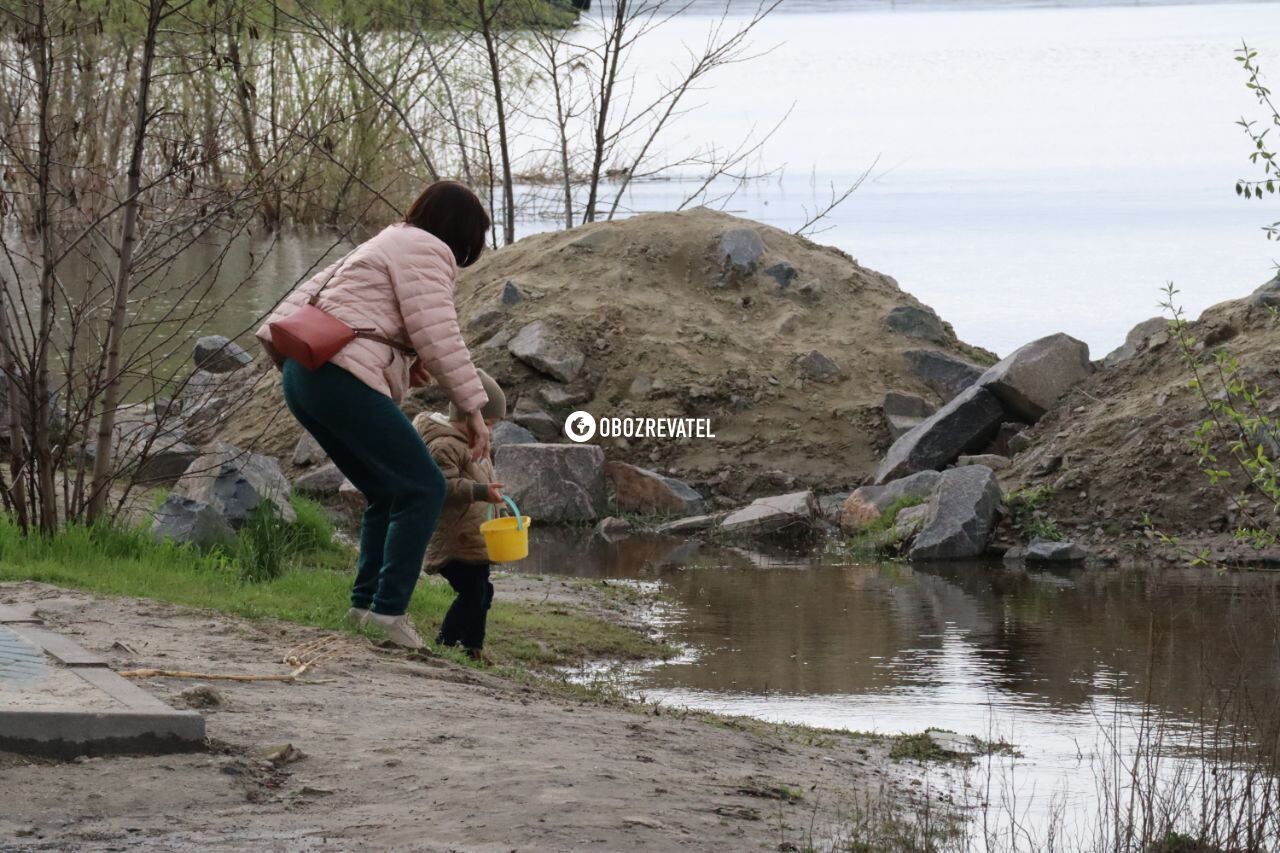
x,y
464,624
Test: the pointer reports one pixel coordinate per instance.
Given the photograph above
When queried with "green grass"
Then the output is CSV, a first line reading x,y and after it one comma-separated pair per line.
x,y
311,588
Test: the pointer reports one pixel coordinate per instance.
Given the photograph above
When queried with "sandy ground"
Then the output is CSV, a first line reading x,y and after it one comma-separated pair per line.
x,y
400,754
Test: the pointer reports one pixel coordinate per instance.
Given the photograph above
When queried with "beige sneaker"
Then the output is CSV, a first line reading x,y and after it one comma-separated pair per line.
x,y
399,629
357,616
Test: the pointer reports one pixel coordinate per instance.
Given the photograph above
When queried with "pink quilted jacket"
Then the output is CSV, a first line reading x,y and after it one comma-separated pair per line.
x,y
399,284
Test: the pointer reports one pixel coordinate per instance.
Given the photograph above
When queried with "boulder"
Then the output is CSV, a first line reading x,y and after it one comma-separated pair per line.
x,y
554,482
167,461
783,273
1030,380
641,490
904,412
916,322
944,373
220,354
235,482
191,522
352,497
536,421
505,432
741,249
818,367
512,294
308,452
829,505
1048,551
962,515
908,521
865,506
560,397
320,482
990,460
1267,296
691,524
796,513
1145,335
201,386
534,346
612,529
206,412
965,425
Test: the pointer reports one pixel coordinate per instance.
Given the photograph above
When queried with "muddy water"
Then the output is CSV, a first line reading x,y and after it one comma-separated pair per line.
x,y
1060,663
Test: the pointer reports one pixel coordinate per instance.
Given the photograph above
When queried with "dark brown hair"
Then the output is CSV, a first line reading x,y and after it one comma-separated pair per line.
x,y
453,213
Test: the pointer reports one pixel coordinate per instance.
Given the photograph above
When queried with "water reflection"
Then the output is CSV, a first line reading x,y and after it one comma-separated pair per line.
x,y
1066,664
772,625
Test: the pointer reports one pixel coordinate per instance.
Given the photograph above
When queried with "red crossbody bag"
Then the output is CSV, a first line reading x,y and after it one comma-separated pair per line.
x,y
311,336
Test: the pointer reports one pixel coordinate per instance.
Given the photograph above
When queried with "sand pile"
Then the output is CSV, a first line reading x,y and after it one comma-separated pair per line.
x,y
1119,445
788,346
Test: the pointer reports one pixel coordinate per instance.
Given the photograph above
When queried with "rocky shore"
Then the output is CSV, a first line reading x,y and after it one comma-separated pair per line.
x,y
841,406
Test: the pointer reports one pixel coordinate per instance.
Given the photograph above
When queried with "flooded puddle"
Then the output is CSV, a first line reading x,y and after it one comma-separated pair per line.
x,y
1080,669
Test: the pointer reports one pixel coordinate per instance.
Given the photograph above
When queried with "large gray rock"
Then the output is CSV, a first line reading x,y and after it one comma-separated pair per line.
x,y
535,346
352,497
505,432
962,515
560,397
320,482
535,420
554,482
1144,336
965,425
641,490
691,524
220,354
867,503
1031,379
1049,551
1267,296
191,522
944,373
916,322
794,513
741,249
783,273
818,367
904,412
235,482
308,452
166,463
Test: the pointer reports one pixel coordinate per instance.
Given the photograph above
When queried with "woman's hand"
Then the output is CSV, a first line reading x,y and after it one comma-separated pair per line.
x,y
477,435
495,494
419,377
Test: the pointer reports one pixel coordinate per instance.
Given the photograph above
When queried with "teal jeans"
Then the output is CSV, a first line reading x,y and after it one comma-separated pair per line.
x,y
374,445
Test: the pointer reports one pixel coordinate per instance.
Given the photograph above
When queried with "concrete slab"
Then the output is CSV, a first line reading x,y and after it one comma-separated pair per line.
x,y
61,700
17,613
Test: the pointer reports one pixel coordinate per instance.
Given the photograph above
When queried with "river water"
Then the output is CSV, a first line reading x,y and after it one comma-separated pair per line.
x,y
1038,168
1060,663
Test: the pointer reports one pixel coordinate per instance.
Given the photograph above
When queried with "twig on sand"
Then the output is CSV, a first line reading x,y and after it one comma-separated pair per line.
x,y
302,658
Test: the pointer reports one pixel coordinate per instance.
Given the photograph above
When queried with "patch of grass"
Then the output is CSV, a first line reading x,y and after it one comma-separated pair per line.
x,y
312,588
880,538
922,747
1026,513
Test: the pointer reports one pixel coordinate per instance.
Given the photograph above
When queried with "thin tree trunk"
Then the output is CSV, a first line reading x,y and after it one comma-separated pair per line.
x,y
102,463
38,380
613,47
508,188
16,496
244,100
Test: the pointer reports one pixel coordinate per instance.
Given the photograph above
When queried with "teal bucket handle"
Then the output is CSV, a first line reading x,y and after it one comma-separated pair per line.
x,y
491,512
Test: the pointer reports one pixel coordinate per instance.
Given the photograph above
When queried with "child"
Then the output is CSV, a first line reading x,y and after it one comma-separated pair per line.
x,y
457,549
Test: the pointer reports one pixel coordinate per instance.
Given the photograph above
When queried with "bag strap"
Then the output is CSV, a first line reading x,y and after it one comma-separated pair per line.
x,y
367,334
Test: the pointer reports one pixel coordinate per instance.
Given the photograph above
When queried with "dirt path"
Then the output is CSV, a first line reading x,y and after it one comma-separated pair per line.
x,y
406,755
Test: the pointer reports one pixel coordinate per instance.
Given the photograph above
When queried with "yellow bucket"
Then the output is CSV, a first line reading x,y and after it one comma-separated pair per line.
x,y
506,538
